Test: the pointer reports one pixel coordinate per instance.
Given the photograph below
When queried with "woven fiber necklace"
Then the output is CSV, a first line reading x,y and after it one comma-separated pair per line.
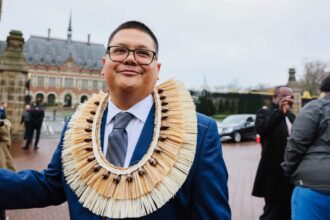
x,y
144,187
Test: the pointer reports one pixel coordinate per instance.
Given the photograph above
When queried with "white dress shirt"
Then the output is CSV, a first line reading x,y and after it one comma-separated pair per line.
x,y
288,124
134,128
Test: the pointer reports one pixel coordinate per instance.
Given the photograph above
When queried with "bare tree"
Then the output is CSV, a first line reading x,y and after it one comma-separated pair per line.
x,y
234,86
314,73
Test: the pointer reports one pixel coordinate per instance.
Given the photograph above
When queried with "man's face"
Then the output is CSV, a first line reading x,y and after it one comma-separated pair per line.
x,y
128,76
282,93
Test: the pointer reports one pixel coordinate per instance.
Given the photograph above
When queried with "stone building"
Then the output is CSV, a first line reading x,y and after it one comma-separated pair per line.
x,y
63,72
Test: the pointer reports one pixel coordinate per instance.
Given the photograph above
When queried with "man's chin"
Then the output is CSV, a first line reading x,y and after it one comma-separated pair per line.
x,y
129,85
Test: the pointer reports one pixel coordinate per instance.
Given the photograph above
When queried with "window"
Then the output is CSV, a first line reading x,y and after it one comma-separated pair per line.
x,y
95,84
52,82
67,100
68,83
83,99
40,97
51,99
40,81
12,82
84,83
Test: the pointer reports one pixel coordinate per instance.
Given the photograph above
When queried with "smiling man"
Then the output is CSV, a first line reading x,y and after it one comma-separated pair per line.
x,y
139,151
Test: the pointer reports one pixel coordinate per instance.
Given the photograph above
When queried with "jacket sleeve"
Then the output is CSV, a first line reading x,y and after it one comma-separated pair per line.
x,y
303,133
31,188
210,191
267,120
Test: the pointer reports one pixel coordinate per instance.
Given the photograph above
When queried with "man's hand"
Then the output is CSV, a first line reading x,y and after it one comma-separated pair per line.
x,y
286,104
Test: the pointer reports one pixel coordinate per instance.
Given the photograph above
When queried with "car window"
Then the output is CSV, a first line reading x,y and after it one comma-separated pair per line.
x,y
250,119
233,119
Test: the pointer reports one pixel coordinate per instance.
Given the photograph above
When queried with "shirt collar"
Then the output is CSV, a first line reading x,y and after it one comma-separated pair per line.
x,y
138,110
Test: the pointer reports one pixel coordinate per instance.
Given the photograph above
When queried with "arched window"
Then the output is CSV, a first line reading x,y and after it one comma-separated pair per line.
x,y
67,100
51,99
83,98
40,97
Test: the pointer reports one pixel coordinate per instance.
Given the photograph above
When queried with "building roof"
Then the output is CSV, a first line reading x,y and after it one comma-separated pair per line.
x,y
54,52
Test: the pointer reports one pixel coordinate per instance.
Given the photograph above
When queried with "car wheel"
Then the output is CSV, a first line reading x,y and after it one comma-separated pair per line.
x,y
237,137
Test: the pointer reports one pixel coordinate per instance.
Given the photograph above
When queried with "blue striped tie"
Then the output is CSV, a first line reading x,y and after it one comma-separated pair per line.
x,y
117,139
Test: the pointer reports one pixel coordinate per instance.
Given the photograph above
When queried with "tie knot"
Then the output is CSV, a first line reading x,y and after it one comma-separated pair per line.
x,y
121,120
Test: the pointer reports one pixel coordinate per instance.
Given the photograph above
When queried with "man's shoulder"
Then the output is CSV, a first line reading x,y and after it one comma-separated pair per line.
x,y
204,121
318,103
264,110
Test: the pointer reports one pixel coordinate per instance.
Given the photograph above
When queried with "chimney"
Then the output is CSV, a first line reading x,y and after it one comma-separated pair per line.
x,y
48,34
89,39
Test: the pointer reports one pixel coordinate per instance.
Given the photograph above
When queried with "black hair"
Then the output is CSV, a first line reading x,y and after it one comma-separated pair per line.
x,y
325,85
138,26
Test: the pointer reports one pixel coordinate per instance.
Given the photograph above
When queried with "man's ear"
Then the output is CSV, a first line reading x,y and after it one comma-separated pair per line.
x,y
103,62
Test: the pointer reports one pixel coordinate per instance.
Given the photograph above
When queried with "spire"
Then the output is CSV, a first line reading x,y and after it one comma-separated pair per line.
x,y
70,28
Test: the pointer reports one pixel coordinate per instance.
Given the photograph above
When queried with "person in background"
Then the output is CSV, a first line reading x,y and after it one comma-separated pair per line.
x,y
307,159
273,124
26,120
3,107
6,161
37,115
54,114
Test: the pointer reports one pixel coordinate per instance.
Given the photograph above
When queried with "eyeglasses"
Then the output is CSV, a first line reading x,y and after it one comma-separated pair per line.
x,y
141,56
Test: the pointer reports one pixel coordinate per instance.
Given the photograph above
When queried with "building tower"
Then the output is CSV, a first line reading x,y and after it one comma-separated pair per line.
x,y
292,83
13,76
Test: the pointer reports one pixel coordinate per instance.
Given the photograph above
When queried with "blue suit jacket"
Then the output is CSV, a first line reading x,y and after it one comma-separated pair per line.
x,y
204,194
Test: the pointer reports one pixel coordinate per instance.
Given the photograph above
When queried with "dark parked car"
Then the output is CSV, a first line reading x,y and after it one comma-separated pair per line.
x,y
238,127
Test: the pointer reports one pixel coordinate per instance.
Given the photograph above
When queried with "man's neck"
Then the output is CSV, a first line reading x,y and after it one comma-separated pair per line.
x,y
126,101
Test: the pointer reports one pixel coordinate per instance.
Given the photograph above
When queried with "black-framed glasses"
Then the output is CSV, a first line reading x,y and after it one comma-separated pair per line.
x,y
120,53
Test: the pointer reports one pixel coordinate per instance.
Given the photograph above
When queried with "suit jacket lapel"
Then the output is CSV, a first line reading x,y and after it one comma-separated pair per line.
x,y
103,124
145,138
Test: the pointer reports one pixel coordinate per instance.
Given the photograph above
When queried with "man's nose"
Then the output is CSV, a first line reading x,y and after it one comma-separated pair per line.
x,y
130,59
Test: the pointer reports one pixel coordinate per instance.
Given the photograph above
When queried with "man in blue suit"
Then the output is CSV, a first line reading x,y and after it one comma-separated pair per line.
x,y
135,141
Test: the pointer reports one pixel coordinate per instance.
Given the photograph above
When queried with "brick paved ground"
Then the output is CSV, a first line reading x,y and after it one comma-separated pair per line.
x,y
241,160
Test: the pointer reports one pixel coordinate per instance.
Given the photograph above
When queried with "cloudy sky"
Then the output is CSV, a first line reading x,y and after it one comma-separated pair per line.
x,y
222,42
